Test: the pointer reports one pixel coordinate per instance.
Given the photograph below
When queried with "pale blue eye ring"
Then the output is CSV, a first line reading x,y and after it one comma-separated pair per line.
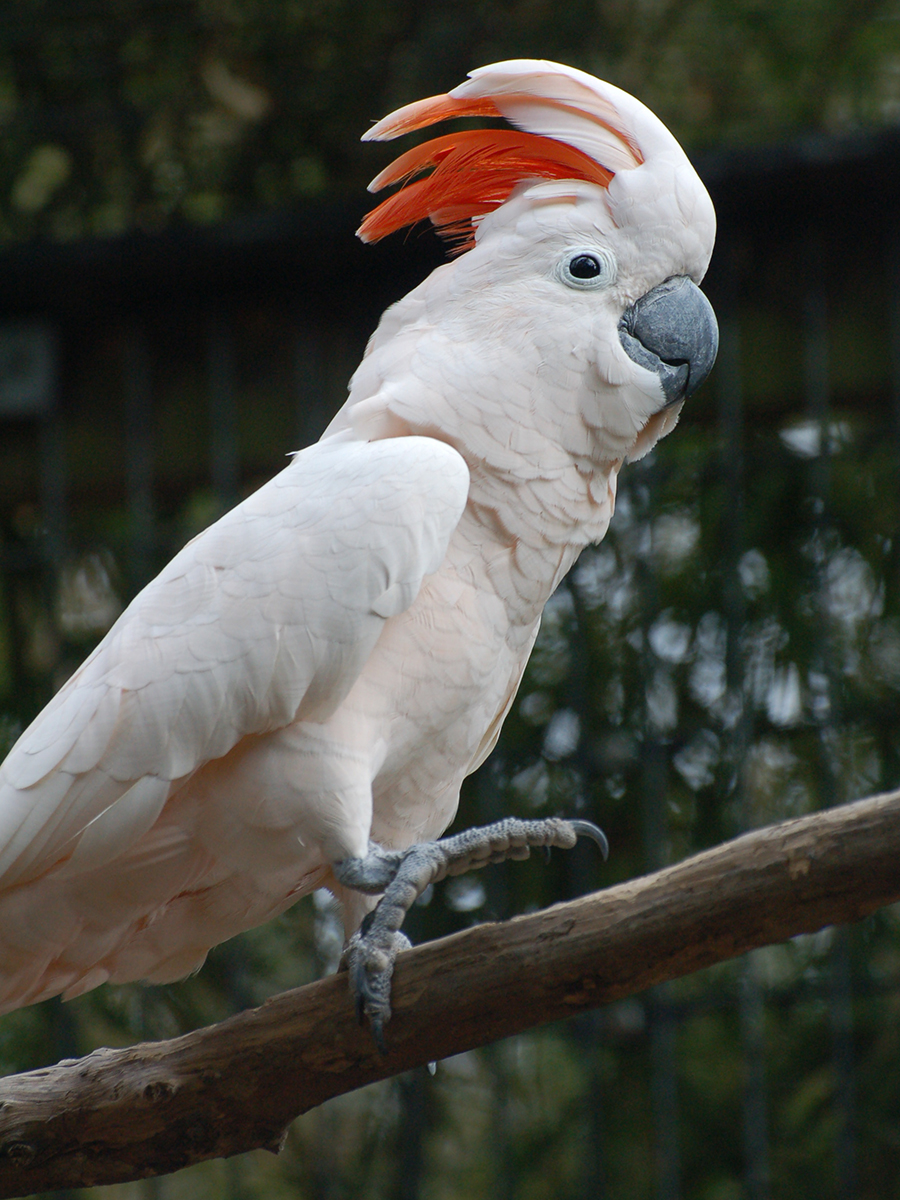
x,y
587,268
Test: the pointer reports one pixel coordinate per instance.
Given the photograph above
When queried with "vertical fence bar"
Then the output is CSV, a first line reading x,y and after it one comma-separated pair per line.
x,y
587,1033
30,390
504,1060
53,471
414,1089
139,456
664,1093
818,403
54,514
844,1054
892,260
891,579
737,734
654,778
222,410
660,1014
757,1174
309,377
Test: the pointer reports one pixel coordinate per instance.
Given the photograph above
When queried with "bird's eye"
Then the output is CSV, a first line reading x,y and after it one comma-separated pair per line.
x,y
585,266
586,269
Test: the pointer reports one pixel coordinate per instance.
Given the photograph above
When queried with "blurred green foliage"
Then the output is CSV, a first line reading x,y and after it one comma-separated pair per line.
x,y
122,114
730,655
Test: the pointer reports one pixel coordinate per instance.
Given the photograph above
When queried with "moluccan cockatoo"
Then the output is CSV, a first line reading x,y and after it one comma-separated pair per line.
x,y
295,700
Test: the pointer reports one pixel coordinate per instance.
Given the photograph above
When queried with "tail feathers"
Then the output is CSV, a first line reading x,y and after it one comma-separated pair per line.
x,y
62,936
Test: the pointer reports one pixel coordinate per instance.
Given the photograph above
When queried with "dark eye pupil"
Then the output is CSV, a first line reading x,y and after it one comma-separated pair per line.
x,y
584,266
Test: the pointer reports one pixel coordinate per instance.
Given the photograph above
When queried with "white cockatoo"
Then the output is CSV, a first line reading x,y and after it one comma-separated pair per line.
x,y
295,700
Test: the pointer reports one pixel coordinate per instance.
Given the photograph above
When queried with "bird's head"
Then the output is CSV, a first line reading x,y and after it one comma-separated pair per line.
x,y
586,232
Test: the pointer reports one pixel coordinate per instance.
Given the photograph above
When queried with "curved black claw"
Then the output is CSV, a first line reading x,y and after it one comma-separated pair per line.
x,y
369,958
367,1004
376,1024
359,998
594,832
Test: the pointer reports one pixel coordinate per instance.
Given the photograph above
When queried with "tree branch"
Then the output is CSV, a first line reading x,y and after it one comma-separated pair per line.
x,y
153,1108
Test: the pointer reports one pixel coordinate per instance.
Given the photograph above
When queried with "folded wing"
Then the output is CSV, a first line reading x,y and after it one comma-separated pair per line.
x,y
268,615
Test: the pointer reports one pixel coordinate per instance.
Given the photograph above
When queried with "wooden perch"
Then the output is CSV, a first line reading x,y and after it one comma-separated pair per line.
x,y
125,1114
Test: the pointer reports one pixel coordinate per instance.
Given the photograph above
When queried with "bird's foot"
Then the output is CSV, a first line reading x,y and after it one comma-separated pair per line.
x,y
369,957
402,876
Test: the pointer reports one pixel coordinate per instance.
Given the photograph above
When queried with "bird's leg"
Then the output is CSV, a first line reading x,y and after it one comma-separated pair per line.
x,y
400,876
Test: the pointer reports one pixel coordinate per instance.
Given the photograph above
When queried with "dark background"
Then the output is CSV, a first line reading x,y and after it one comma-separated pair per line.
x,y
182,302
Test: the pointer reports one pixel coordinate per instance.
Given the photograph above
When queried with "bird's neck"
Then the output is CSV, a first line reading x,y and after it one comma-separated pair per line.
x,y
541,488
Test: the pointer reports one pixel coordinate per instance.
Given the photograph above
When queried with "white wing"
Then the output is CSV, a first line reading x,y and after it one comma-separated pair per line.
x,y
267,615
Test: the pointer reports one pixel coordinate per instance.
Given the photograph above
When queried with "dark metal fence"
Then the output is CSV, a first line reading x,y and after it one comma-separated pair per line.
x,y
736,650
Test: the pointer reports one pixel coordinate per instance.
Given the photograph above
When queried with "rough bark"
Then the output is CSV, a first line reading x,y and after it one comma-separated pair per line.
x,y
124,1114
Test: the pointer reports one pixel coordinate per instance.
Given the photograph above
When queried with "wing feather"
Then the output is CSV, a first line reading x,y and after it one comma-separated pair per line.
x,y
279,602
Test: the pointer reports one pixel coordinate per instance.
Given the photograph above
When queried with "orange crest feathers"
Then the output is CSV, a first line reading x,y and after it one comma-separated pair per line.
x,y
468,173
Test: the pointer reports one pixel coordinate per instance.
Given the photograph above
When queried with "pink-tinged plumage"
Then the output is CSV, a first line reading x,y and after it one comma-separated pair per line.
x,y
327,662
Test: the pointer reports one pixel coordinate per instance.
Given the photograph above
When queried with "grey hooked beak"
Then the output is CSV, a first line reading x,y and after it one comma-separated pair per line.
x,y
672,331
